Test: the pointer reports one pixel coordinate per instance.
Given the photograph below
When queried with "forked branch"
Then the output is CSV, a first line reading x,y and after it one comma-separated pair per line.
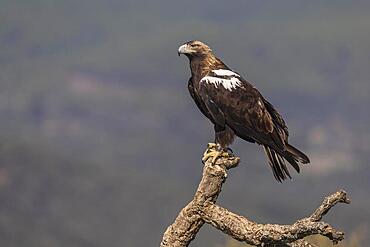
x,y
202,209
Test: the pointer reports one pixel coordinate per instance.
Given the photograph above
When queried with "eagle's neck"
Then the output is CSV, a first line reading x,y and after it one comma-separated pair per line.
x,y
201,66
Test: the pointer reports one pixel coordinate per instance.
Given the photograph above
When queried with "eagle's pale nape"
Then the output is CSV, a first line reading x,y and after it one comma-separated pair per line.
x,y
237,108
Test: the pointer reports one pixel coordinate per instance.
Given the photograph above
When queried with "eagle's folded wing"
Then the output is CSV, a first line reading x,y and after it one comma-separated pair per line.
x,y
226,94
234,102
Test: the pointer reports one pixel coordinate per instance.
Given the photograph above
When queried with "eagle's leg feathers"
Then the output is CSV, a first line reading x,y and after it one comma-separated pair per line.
x,y
214,151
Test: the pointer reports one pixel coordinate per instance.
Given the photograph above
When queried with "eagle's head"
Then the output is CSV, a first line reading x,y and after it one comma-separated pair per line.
x,y
194,48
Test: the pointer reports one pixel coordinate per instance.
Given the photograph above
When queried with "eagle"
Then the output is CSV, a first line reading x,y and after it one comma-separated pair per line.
x,y
237,108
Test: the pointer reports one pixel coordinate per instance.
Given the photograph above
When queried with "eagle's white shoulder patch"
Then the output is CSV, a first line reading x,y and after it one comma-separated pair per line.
x,y
224,72
229,84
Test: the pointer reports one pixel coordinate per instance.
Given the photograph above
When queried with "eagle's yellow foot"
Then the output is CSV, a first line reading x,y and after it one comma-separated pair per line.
x,y
214,154
210,146
214,151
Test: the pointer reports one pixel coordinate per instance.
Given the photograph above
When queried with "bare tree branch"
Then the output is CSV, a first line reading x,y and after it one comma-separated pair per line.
x,y
202,209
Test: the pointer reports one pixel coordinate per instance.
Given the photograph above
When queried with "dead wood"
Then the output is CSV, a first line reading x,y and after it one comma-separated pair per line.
x,y
202,209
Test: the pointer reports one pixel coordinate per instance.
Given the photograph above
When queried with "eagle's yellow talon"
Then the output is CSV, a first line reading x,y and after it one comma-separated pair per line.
x,y
206,155
211,145
214,154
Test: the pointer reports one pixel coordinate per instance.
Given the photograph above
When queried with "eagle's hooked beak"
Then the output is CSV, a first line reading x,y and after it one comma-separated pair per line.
x,y
183,49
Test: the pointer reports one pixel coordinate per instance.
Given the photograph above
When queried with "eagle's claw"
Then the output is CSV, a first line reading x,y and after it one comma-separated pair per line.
x,y
214,151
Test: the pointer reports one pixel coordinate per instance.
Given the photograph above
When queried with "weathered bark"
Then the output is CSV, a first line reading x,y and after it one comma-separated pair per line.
x,y
202,209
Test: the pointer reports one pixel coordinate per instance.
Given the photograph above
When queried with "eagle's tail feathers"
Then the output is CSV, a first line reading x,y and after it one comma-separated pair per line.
x,y
292,161
277,164
296,154
282,164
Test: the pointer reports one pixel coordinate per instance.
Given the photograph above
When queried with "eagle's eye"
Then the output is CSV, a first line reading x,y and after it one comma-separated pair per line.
x,y
195,45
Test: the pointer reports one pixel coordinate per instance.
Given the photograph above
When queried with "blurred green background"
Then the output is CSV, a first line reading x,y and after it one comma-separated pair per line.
x,y
101,142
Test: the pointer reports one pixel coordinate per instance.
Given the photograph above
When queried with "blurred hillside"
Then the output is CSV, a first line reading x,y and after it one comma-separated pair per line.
x,y
101,141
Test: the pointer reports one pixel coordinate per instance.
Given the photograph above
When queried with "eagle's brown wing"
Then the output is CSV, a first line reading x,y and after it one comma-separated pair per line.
x,y
277,119
197,99
233,98
230,98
